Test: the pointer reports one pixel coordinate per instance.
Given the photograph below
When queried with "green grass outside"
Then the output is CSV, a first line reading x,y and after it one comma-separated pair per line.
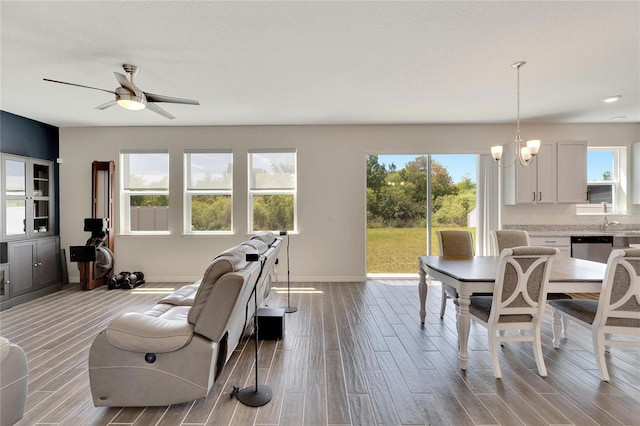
x,y
396,250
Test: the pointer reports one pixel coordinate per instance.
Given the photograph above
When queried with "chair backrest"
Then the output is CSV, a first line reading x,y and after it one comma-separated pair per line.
x,y
507,238
619,303
455,243
520,290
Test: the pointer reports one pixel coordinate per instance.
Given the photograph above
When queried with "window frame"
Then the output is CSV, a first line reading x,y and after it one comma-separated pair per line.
x,y
126,193
272,191
618,184
189,193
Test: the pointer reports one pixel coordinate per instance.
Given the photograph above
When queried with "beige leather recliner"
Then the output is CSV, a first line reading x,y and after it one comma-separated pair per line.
x,y
173,352
14,375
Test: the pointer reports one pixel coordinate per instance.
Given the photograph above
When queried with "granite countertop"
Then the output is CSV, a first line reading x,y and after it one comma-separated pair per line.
x,y
577,230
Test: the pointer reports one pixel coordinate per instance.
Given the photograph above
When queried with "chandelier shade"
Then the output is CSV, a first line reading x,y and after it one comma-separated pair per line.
x,y
524,153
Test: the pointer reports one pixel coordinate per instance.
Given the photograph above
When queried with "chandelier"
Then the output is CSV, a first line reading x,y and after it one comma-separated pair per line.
x,y
524,154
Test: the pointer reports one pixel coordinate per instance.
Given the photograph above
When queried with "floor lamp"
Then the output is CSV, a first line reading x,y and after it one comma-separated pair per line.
x,y
258,395
288,309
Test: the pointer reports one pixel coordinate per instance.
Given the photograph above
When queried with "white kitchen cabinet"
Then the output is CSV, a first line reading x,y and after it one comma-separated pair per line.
x,y
558,175
533,184
572,172
635,171
563,244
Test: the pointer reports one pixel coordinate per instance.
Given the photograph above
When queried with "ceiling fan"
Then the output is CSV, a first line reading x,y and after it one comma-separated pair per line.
x,y
130,97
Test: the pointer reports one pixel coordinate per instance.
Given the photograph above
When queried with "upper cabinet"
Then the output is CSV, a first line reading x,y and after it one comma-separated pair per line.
x,y
558,175
27,197
572,172
635,170
533,184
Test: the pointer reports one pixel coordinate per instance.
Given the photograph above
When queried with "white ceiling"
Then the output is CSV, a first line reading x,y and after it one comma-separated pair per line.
x,y
324,62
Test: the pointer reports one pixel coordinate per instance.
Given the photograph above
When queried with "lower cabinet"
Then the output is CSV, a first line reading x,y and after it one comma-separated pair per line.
x,y
4,282
35,269
563,244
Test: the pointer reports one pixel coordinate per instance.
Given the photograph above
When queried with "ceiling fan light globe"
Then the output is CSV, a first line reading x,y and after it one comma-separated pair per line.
x,y
131,102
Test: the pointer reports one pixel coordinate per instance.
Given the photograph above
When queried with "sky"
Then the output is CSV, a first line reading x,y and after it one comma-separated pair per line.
x,y
458,166
599,162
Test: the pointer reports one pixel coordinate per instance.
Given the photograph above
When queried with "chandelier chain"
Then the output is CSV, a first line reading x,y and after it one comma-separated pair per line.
x,y
518,137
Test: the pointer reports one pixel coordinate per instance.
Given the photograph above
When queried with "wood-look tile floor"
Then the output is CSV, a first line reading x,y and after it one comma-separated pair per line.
x,y
353,354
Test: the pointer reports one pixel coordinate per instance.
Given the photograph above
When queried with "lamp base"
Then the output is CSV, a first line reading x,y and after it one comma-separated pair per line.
x,y
255,398
290,309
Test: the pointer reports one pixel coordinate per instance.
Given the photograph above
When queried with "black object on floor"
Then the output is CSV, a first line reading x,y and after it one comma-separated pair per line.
x,y
126,280
271,323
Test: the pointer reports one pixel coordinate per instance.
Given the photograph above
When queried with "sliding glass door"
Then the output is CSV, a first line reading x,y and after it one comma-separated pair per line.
x,y
453,195
404,208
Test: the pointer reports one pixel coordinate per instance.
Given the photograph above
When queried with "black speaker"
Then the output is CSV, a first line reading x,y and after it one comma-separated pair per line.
x,y
82,253
95,224
271,323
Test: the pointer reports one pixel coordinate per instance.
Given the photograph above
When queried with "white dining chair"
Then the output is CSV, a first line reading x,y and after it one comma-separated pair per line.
x,y
508,238
517,303
616,312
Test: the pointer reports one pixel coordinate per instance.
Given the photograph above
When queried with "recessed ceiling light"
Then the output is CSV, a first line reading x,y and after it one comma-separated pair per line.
x,y
612,99
620,117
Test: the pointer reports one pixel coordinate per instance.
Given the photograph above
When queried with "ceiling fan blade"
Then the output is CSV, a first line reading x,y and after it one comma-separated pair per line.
x,y
78,85
155,108
161,98
106,105
124,82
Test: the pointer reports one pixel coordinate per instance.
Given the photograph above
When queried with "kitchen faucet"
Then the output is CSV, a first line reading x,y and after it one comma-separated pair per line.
x,y
607,224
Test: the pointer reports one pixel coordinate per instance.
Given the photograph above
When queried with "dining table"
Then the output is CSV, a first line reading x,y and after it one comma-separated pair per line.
x,y
477,274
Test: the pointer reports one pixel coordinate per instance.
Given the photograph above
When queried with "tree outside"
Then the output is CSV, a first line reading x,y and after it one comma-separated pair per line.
x,y
396,211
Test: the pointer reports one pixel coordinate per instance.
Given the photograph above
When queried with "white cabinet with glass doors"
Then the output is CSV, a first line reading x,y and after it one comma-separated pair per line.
x,y
27,198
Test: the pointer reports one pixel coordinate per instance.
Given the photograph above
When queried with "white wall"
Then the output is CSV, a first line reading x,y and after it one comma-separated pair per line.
x,y
331,187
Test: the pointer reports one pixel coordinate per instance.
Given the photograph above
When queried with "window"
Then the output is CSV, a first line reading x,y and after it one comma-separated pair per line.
x,y
145,192
272,190
606,180
208,191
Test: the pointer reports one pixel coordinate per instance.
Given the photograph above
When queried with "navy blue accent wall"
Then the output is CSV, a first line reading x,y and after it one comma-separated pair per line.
x,y
30,138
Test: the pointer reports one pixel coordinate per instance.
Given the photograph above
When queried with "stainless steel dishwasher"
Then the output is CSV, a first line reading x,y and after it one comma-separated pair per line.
x,y
592,247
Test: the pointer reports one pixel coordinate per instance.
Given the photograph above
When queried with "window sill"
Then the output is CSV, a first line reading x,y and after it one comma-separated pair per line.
x,y
609,214
598,209
208,234
145,234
